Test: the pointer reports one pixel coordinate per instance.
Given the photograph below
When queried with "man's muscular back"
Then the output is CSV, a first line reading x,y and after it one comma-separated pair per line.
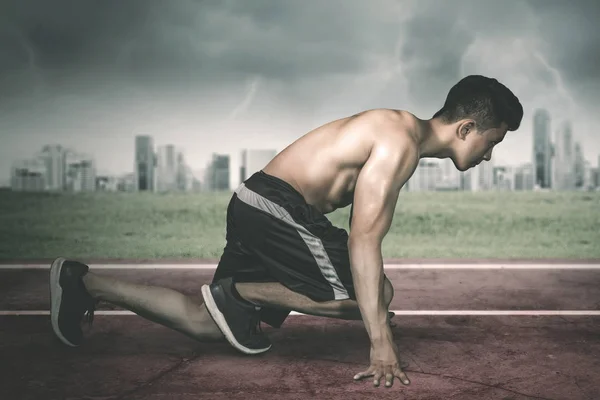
x,y
324,165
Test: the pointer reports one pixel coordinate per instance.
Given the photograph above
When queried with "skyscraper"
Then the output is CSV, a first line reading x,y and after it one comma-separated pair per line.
x,y
166,168
563,168
542,149
185,177
588,176
145,161
55,159
217,174
578,166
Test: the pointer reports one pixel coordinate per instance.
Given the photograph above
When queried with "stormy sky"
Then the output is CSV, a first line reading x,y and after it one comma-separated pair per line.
x,y
219,76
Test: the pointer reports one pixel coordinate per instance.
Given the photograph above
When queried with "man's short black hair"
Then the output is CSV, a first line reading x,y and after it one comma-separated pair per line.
x,y
484,100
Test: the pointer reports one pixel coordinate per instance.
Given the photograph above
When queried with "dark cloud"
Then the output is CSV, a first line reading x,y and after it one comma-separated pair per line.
x,y
440,34
120,66
432,53
572,42
204,39
305,48
67,34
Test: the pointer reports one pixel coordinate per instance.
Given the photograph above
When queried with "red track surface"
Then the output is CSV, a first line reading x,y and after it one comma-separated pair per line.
x,y
449,357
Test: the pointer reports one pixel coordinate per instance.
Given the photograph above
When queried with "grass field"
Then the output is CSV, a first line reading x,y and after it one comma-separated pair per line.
x,y
430,225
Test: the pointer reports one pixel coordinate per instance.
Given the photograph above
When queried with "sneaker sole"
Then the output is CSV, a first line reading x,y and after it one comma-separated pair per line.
x,y
56,298
219,319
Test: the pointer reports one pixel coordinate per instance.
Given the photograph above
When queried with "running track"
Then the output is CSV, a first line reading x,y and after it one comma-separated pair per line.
x,y
467,330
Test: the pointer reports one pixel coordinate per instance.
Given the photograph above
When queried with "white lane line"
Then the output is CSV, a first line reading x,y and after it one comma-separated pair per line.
x,y
397,312
389,267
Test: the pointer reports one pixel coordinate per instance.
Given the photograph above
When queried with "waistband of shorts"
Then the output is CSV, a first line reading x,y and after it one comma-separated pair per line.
x,y
271,180
278,181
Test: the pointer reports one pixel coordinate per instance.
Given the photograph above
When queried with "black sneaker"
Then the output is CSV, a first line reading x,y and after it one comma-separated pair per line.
x,y
70,302
238,320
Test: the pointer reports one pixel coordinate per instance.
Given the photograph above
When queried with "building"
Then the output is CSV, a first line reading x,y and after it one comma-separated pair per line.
x,y
216,176
596,177
588,176
54,158
564,165
81,173
253,161
542,149
196,182
479,178
579,165
107,183
450,176
484,176
199,179
504,178
145,163
166,168
127,183
426,177
28,175
184,176
524,176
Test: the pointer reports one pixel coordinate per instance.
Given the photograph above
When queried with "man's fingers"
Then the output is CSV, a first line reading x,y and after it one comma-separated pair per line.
x,y
402,376
378,374
389,379
377,378
364,374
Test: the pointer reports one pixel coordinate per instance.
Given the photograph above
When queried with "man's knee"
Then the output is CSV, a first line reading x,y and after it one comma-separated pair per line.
x,y
388,291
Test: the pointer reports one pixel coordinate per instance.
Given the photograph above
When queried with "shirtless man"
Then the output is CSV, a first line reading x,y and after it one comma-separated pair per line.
x,y
283,254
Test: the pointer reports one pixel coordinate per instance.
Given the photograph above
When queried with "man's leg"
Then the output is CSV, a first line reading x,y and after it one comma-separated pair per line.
x,y
164,306
277,295
190,317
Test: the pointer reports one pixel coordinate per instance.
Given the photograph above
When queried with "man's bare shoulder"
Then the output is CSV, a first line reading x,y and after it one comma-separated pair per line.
x,y
378,115
394,146
398,122
395,132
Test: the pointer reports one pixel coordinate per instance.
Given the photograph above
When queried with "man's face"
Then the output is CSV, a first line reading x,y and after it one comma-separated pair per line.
x,y
473,147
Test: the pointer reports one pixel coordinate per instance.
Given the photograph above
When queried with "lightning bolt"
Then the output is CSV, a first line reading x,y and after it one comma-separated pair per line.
x,y
248,98
560,86
32,68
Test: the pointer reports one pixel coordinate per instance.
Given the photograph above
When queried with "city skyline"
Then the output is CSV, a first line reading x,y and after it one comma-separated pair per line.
x,y
215,78
552,153
556,165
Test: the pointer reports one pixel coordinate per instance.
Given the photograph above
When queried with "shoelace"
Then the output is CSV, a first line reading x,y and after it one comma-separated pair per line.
x,y
88,316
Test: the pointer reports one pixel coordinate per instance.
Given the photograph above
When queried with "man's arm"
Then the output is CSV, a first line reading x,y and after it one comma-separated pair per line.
x,y
375,197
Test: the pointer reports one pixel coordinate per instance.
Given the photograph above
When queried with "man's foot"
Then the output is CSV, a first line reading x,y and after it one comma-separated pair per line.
x,y
70,302
238,319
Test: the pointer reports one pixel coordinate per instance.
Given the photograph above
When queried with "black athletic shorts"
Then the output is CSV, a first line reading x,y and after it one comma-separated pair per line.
x,y
273,235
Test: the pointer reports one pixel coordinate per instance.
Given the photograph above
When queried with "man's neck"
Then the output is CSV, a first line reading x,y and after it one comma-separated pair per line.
x,y
434,138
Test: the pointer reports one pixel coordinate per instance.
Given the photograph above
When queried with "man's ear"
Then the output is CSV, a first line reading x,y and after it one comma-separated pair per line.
x,y
465,127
